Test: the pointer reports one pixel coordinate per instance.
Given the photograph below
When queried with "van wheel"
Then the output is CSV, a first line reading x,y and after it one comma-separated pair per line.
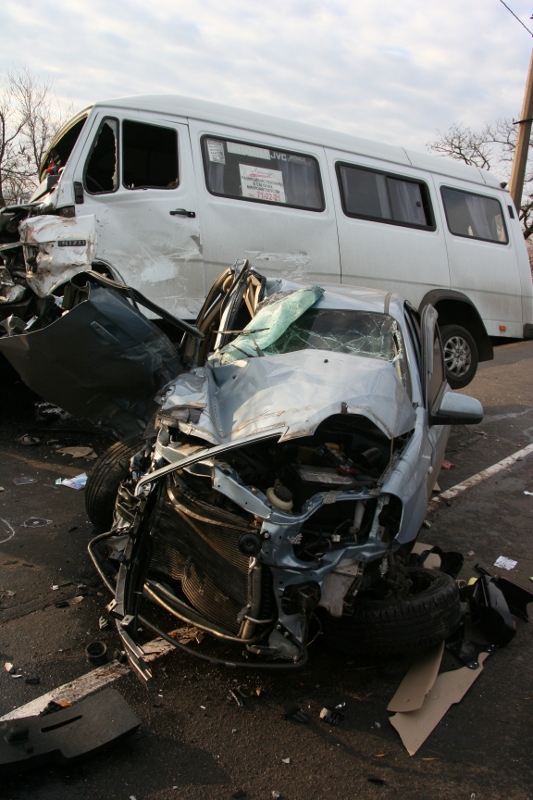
x,y
460,355
427,616
106,476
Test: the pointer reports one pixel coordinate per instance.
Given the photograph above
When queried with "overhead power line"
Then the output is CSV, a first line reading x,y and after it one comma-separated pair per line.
x,y
517,18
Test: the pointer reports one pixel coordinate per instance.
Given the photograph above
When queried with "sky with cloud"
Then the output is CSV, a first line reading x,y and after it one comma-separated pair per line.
x,y
392,71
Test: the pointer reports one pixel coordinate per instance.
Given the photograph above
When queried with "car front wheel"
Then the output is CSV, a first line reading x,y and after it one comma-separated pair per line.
x,y
460,355
428,615
106,476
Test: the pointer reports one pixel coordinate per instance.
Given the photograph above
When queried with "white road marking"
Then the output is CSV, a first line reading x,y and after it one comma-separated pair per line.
x,y
88,683
488,418
10,528
481,476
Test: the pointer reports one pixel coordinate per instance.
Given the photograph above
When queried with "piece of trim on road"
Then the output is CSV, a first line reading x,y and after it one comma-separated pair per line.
x,y
481,476
88,683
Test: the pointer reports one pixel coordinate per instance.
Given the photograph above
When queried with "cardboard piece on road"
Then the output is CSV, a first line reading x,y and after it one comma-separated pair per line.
x,y
433,561
412,691
450,687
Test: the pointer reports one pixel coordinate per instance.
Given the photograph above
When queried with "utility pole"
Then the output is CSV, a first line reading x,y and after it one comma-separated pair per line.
x,y
516,184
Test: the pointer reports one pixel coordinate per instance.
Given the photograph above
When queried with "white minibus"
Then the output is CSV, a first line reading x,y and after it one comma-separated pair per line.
x,y
163,192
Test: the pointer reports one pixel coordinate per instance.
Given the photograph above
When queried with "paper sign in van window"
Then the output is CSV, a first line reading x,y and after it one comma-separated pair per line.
x,y
215,148
261,183
248,150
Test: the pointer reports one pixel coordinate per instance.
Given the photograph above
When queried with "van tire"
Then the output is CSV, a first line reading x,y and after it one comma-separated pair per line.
x,y
108,472
429,615
460,355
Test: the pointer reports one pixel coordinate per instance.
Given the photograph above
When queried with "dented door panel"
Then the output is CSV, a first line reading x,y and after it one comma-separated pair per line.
x,y
103,361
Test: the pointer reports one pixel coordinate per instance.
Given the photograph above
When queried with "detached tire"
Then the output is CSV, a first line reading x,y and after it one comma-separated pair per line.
x,y
102,484
430,614
460,355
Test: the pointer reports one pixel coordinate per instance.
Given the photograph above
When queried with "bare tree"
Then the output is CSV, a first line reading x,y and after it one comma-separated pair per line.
x,y
29,117
491,147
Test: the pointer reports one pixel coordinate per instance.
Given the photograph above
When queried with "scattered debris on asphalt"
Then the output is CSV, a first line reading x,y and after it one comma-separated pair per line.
x,y
28,440
23,480
297,715
335,715
96,652
187,634
447,465
449,687
505,563
77,731
74,483
78,452
239,696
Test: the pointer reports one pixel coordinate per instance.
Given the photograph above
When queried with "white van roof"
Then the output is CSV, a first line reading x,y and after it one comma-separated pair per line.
x,y
262,123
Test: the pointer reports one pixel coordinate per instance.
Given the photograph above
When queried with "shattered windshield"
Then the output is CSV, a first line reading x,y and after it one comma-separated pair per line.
x,y
361,333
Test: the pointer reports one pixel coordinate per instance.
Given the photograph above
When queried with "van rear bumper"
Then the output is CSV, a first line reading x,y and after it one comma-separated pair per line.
x,y
528,330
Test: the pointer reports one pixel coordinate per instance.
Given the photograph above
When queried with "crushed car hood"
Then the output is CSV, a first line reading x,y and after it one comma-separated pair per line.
x,y
290,393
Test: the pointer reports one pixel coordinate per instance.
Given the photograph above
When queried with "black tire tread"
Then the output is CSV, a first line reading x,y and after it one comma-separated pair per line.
x,y
380,627
103,482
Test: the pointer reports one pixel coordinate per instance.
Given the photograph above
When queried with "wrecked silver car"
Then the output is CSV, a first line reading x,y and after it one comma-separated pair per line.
x,y
285,478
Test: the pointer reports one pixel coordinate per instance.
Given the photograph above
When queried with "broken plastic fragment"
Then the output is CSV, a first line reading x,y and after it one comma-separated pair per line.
x,y
28,440
76,483
333,717
23,480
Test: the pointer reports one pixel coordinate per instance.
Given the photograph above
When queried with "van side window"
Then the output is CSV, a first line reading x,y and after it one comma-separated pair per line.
x,y
474,215
101,169
370,194
149,156
261,174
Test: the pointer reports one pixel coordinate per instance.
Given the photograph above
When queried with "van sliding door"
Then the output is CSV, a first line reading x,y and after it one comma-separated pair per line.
x,y
390,227
266,199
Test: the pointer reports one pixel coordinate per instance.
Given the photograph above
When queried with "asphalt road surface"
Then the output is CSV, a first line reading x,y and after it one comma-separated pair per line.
x,y
195,740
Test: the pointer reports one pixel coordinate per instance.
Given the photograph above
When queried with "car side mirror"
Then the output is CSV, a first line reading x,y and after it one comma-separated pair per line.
x,y
457,409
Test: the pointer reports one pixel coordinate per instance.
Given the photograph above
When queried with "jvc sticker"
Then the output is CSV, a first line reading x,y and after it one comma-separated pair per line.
x,y
262,184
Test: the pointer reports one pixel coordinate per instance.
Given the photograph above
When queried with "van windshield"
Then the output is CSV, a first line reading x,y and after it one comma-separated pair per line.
x,y
59,151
